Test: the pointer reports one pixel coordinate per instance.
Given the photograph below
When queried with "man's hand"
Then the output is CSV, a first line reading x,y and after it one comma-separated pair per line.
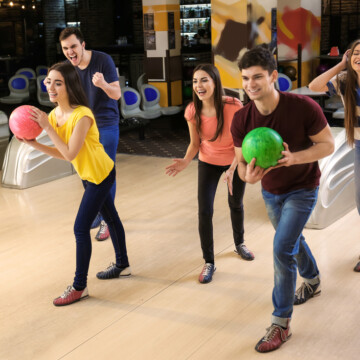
x,y
98,80
254,173
288,158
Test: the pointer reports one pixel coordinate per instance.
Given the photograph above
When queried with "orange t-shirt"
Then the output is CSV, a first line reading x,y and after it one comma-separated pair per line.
x,y
221,151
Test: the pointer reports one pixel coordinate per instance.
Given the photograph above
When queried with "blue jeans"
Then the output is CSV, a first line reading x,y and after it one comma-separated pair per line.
x,y
288,214
357,173
96,199
109,138
208,179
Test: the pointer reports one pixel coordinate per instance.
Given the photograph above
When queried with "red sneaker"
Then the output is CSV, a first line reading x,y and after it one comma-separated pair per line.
x,y
70,296
103,232
273,339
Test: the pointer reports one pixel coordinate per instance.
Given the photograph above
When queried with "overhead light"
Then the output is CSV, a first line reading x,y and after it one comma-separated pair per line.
x,y
11,3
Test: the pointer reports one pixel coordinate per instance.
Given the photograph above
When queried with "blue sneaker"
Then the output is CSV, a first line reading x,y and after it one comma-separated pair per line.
x,y
96,222
207,273
244,252
113,272
305,292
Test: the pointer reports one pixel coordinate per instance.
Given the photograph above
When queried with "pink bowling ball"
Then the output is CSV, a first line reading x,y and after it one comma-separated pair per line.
x,y
21,124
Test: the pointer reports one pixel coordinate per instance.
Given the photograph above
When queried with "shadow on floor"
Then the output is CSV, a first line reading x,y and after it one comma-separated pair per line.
x,y
167,136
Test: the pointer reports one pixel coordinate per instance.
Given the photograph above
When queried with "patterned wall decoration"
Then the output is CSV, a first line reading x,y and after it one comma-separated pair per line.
x,y
299,21
238,25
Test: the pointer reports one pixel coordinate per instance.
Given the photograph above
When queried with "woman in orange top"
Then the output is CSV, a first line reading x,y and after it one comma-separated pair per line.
x,y
209,118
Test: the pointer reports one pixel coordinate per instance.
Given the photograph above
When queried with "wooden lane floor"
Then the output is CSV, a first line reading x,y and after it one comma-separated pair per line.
x,y
161,311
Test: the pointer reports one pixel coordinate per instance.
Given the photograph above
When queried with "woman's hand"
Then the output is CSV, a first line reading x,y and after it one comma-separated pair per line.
x,y
40,117
176,167
228,178
345,57
28,142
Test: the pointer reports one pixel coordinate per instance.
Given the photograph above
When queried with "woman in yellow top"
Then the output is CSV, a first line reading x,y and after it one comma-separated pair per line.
x,y
72,128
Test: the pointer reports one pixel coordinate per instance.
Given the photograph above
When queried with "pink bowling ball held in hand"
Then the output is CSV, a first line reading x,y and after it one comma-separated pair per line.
x,y
21,125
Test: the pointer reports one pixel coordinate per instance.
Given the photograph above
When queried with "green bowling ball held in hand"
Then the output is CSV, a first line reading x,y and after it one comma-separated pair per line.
x,y
263,144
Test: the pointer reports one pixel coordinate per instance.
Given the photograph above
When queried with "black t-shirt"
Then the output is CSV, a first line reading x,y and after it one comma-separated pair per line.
x,y
295,118
105,109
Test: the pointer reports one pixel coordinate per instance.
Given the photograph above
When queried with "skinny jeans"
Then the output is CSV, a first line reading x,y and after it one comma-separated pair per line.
x,y
97,198
208,179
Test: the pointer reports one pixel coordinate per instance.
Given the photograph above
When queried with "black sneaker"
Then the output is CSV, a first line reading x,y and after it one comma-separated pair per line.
x,y
305,292
244,252
113,272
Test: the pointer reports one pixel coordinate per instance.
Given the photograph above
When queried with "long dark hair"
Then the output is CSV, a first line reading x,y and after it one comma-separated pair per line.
x,y
350,120
72,83
213,72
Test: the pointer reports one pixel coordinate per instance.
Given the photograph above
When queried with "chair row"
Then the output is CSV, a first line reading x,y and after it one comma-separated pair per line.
x,y
147,97
31,74
19,87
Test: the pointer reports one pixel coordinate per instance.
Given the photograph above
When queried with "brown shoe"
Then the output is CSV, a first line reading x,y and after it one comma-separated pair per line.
x,y
273,339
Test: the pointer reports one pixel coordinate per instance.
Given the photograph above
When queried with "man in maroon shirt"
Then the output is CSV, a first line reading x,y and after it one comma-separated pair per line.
x,y
290,188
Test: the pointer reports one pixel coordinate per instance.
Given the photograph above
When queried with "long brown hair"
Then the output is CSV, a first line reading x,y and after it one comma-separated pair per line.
x,y
351,84
213,72
73,85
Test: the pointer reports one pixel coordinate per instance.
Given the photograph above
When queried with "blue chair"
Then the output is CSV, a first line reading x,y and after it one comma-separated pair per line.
x,y
141,81
41,93
31,75
151,97
41,70
19,90
28,72
283,83
130,106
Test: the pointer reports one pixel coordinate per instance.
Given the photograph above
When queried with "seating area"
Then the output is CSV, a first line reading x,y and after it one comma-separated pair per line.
x,y
26,86
150,96
19,90
143,102
138,107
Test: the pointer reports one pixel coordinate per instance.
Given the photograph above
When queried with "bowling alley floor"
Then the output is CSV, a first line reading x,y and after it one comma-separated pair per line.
x,y
158,141
161,312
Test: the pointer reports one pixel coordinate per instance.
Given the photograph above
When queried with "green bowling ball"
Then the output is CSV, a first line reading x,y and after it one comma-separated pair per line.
x,y
265,145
